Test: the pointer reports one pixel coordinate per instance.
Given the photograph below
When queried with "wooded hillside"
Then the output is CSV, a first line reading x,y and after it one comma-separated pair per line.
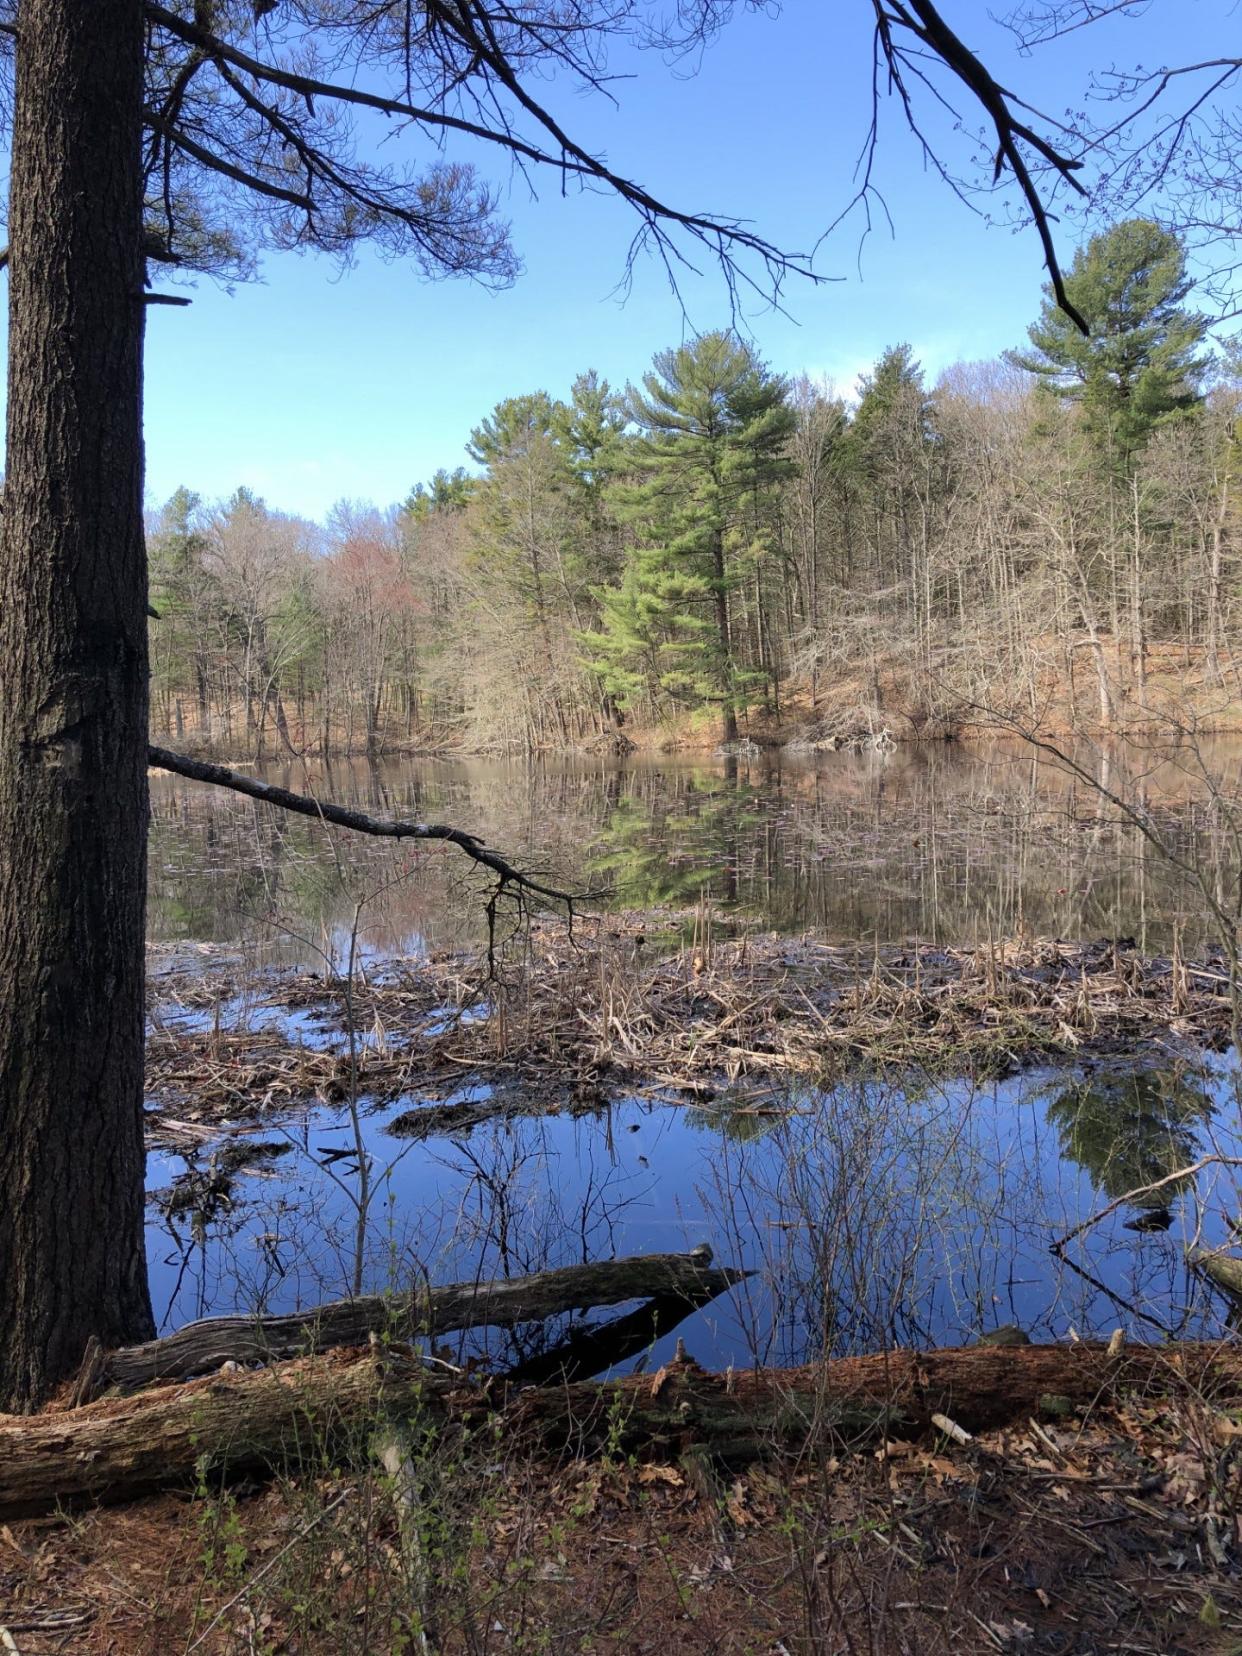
x,y
703,543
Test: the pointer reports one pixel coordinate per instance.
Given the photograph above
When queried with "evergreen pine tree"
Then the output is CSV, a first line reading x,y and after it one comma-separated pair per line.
x,y
447,492
1138,367
714,425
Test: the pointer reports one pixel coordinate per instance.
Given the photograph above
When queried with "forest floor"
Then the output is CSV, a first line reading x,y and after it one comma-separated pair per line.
x,y
1117,1530
850,707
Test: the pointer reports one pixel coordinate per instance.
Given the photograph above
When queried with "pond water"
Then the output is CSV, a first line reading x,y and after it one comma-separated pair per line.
x,y
880,1211
943,843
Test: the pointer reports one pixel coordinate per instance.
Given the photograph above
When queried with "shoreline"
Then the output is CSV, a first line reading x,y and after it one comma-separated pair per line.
x,y
889,710
765,740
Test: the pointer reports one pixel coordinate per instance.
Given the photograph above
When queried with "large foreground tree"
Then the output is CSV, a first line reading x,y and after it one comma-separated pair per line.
x,y
73,701
189,135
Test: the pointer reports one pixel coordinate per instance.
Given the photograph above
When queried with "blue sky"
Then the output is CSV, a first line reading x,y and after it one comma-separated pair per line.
x,y
309,387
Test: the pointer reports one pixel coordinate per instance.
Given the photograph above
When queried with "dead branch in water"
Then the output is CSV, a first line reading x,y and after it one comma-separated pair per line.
x,y
207,1344
1174,1180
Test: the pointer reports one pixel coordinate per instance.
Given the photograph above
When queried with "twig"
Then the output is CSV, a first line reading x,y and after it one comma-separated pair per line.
x,y
1178,1176
268,1567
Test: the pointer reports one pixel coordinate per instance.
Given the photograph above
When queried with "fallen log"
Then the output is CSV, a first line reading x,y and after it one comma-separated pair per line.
x,y
204,1345
1225,1270
299,1413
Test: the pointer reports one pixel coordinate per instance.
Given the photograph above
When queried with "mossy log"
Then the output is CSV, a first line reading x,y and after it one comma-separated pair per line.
x,y
302,1412
204,1345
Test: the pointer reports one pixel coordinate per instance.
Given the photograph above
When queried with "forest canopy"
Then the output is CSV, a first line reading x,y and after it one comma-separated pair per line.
x,y
714,537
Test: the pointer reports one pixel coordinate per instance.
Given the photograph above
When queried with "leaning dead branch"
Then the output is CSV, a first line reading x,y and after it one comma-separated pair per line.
x,y
342,816
207,1344
510,881
1142,1193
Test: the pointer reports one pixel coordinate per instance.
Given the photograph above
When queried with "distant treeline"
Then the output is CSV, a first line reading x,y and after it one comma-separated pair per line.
x,y
709,540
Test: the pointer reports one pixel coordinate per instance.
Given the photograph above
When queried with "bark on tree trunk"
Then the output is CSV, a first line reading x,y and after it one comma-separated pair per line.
x,y
73,703
728,714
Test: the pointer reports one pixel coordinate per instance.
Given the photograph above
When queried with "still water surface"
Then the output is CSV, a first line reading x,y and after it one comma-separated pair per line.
x,y
883,1210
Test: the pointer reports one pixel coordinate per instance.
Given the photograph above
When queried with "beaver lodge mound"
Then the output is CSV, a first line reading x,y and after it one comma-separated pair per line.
x,y
627,1006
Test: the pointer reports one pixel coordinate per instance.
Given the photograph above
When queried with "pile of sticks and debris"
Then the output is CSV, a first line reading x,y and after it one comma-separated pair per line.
x,y
584,1020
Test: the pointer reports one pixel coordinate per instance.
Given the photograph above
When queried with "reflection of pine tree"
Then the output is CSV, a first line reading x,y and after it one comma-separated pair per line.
x,y
1132,1129
667,849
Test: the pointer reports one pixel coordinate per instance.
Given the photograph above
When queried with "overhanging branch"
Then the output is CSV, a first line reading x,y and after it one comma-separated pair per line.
x,y
342,816
921,19
723,236
217,163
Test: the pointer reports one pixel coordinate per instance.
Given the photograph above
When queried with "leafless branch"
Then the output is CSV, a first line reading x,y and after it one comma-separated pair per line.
x,y
493,67
921,19
1179,1176
341,816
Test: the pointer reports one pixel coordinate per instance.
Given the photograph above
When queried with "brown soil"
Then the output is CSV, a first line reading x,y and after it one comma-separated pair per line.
x,y
1115,1532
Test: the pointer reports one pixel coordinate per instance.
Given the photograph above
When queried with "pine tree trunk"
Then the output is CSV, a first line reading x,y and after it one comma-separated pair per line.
x,y
73,703
728,717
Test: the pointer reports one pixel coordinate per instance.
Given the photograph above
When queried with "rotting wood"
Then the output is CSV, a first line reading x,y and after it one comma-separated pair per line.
x,y
201,1346
294,1413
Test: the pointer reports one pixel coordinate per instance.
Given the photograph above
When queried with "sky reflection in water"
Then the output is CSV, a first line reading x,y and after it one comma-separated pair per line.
x,y
878,1213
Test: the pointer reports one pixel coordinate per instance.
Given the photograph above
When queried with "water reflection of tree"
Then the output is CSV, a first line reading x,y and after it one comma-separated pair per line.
x,y
939,842
1131,1128
736,1114
225,874
512,1198
666,846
